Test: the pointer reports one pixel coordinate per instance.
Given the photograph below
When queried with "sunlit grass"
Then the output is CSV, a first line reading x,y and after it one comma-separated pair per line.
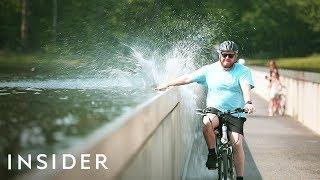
x,y
17,59
311,63
13,58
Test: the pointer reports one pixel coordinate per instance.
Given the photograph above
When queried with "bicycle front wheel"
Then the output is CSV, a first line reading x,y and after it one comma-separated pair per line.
x,y
220,165
225,165
232,170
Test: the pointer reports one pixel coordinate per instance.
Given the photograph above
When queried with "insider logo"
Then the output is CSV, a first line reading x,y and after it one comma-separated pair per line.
x,y
66,161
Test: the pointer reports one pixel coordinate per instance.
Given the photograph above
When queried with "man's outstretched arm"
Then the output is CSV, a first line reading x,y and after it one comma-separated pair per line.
x,y
184,79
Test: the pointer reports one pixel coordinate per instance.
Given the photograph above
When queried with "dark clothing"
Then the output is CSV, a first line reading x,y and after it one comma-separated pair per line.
x,y
234,124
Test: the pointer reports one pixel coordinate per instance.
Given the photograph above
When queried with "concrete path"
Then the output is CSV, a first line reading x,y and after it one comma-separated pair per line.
x,y
275,148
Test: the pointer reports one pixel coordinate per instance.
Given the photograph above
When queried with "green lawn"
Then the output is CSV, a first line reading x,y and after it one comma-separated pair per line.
x,y
36,63
311,63
16,59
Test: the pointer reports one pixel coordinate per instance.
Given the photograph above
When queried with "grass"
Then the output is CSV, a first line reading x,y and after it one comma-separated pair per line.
x,y
31,59
311,63
34,63
12,58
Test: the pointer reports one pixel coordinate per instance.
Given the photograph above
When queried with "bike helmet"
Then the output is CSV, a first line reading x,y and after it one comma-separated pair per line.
x,y
228,46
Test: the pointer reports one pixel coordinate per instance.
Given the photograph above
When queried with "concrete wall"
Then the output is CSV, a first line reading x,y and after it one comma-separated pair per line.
x,y
162,155
303,94
166,152
153,142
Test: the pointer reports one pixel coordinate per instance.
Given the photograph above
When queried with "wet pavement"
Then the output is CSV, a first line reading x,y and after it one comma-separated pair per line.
x,y
275,147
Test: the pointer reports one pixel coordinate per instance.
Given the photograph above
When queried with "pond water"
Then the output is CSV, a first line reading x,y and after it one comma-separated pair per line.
x,y
38,120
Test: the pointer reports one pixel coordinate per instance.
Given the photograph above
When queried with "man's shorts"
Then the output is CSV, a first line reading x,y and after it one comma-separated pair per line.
x,y
234,124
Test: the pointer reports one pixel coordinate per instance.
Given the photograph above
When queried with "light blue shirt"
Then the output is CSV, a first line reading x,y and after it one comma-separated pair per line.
x,y
224,90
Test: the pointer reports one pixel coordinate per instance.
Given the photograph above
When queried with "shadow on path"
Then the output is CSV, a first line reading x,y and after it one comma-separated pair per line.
x,y
251,169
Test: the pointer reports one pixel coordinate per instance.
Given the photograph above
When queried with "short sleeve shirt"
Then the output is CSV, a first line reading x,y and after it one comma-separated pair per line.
x,y
224,90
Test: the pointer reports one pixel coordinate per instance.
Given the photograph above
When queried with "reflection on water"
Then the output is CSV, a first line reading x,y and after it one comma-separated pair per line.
x,y
34,120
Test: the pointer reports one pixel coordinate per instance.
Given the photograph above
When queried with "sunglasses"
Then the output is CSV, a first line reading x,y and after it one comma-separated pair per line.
x,y
230,55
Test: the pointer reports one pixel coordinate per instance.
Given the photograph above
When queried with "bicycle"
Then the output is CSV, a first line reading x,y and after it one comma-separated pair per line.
x,y
224,147
282,101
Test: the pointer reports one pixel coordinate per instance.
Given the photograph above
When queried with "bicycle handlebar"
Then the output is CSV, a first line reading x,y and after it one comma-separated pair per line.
x,y
203,112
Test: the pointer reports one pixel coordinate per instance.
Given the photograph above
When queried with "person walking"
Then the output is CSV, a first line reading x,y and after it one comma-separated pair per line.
x,y
229,87
273,67
274,88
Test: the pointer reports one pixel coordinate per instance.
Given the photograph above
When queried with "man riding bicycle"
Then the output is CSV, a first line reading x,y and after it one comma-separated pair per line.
x,y
229,87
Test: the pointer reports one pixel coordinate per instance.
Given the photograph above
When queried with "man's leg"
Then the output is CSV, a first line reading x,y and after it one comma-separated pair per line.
x,y
210,122
238,153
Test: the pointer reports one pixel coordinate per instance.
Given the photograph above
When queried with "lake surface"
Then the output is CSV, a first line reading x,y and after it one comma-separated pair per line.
x,y
48,119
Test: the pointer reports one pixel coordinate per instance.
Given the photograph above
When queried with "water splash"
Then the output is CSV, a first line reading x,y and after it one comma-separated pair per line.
x,y
156,67
148,70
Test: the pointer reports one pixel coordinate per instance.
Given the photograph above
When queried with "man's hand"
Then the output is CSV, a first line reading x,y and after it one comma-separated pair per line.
x,y
162,87
249,108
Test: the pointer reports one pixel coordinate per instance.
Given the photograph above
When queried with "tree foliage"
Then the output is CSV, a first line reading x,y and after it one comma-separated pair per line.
x,y
262,28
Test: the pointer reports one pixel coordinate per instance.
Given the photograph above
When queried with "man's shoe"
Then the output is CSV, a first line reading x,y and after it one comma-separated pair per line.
x,y
211,161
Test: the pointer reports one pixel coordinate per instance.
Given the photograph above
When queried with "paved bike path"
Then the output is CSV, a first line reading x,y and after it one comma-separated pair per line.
x,y
275,148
